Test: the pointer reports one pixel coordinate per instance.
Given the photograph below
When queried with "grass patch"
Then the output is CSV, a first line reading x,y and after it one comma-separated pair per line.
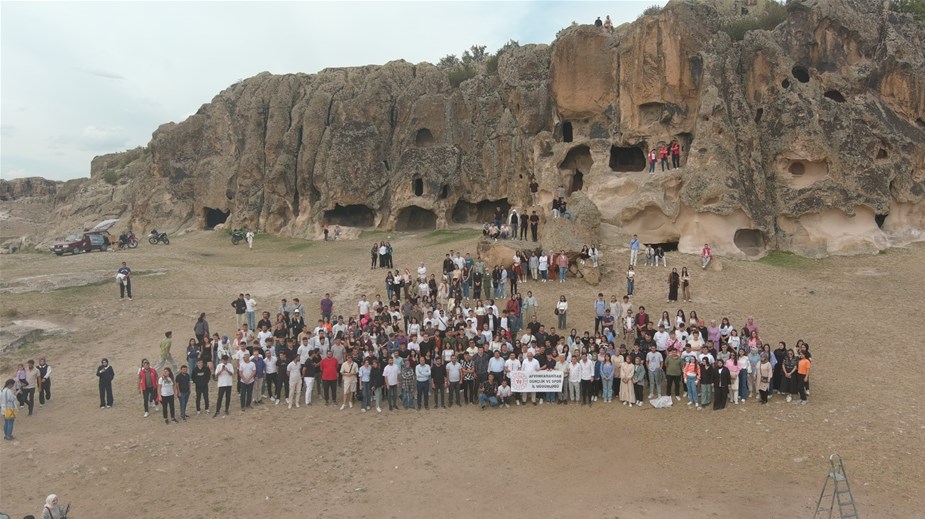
x,y
449,236
300,246
10,313
374,235
786,260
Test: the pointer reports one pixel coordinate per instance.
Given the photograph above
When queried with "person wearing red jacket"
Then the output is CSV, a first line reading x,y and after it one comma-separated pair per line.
x,y
663,155
147,384
329,368
675,154
653,158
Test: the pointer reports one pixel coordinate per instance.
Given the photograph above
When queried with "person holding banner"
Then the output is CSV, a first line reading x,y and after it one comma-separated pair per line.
x,y
529,366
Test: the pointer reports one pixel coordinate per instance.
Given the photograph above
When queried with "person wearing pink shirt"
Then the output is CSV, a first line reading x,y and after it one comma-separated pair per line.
x,y
706,255
732,364
691,373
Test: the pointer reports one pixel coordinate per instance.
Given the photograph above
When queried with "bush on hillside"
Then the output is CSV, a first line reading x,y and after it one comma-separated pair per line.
x,y
775,15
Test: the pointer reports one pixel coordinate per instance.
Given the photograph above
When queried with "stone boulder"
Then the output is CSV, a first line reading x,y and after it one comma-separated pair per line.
x,y
499,252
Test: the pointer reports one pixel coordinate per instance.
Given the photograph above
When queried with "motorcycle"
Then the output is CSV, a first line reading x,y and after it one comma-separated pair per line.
x,y
155,237
237,236
128,240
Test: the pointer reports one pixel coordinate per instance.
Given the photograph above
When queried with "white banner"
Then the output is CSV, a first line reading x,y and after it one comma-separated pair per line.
x,y
536,381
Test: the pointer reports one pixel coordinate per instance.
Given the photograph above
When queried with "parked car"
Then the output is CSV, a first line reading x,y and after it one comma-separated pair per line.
x,y
87,242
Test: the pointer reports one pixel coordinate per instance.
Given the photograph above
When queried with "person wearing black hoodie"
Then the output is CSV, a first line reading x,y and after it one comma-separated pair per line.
x,y
376,383
721,381
105,374
201,376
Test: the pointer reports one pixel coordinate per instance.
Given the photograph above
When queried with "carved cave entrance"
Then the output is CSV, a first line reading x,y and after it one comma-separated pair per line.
x,y
350,216
668,246
577,162
424,138
414,218
750,241
213,217
627,159
480,212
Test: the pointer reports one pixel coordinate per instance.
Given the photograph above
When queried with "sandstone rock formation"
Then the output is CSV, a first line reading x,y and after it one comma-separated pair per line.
x,y
808,138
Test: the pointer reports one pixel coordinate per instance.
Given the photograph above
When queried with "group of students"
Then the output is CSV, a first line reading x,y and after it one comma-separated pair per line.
x,y
671,150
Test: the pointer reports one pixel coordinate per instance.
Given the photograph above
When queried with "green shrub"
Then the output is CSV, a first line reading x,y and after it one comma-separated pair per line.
x,y
914,7
111,177
460,74
775,15
652,10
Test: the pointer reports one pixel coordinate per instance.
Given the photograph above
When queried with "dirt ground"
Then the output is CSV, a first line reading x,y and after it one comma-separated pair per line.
x,y
857,314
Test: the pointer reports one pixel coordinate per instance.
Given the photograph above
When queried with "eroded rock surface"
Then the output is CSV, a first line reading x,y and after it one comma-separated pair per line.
x,y
808,138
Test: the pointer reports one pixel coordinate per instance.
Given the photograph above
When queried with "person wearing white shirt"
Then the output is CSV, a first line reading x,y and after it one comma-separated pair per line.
x,y
390,374
543,264
262,336
422,272
294,373
363,306
574,380
530,365
247,372
250,310
454,377
527,337
224,375
587,376
661,340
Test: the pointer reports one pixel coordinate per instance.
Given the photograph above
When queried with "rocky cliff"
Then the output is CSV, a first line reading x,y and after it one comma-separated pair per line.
x,y
808,138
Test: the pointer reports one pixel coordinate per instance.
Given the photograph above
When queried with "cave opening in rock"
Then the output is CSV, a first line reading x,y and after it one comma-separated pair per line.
x,y
350,216
758,114
424,138
834,95
630,158
800,73
214,217
920,122
668,246
785,83
881,154
417,185
478,212
880,219
414,218
577,182
444,191
797,169
750,241
567,131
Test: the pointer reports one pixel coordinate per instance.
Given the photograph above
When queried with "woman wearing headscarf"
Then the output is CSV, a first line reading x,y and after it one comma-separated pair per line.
x,y
105,374
53,510
763,374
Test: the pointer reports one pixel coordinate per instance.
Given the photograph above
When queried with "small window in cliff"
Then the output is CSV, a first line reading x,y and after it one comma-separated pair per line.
x,y
800,73
350,216
627,158
758,114
834,95
444,191
418,186
881,154
567,131
785,83
214,217
424,138
880,219
414,218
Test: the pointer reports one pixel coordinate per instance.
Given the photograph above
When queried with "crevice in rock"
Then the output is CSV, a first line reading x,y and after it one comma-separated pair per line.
x,y
577,183
567,131
880,219
414,218
758,114
882,154
478,212
444,191
834,95
629,158
350,216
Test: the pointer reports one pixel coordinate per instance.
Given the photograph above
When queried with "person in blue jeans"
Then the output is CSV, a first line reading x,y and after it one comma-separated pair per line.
x,y
488,392
422,375
9,405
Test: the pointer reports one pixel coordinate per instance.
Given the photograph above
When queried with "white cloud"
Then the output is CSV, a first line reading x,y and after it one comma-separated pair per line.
x,y
114,71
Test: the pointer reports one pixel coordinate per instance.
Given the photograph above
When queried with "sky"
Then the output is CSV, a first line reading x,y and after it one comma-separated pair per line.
x,y
81,79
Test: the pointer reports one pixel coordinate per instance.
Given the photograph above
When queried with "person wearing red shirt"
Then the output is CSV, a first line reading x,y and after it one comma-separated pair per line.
x,y
329,368
675,154
706,255
663,155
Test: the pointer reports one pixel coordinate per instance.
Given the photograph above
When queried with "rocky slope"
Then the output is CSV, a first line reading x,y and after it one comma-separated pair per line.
x,y
808,138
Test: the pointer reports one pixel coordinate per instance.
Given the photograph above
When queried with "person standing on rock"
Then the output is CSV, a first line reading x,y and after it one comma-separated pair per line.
x,y
653,158
534,225
598,23
514,221
676,154
524,223
124,277
635,244
105,374
249,236
663,155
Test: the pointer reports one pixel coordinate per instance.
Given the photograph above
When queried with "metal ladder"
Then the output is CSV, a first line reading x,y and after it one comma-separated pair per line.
x,y
839,495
